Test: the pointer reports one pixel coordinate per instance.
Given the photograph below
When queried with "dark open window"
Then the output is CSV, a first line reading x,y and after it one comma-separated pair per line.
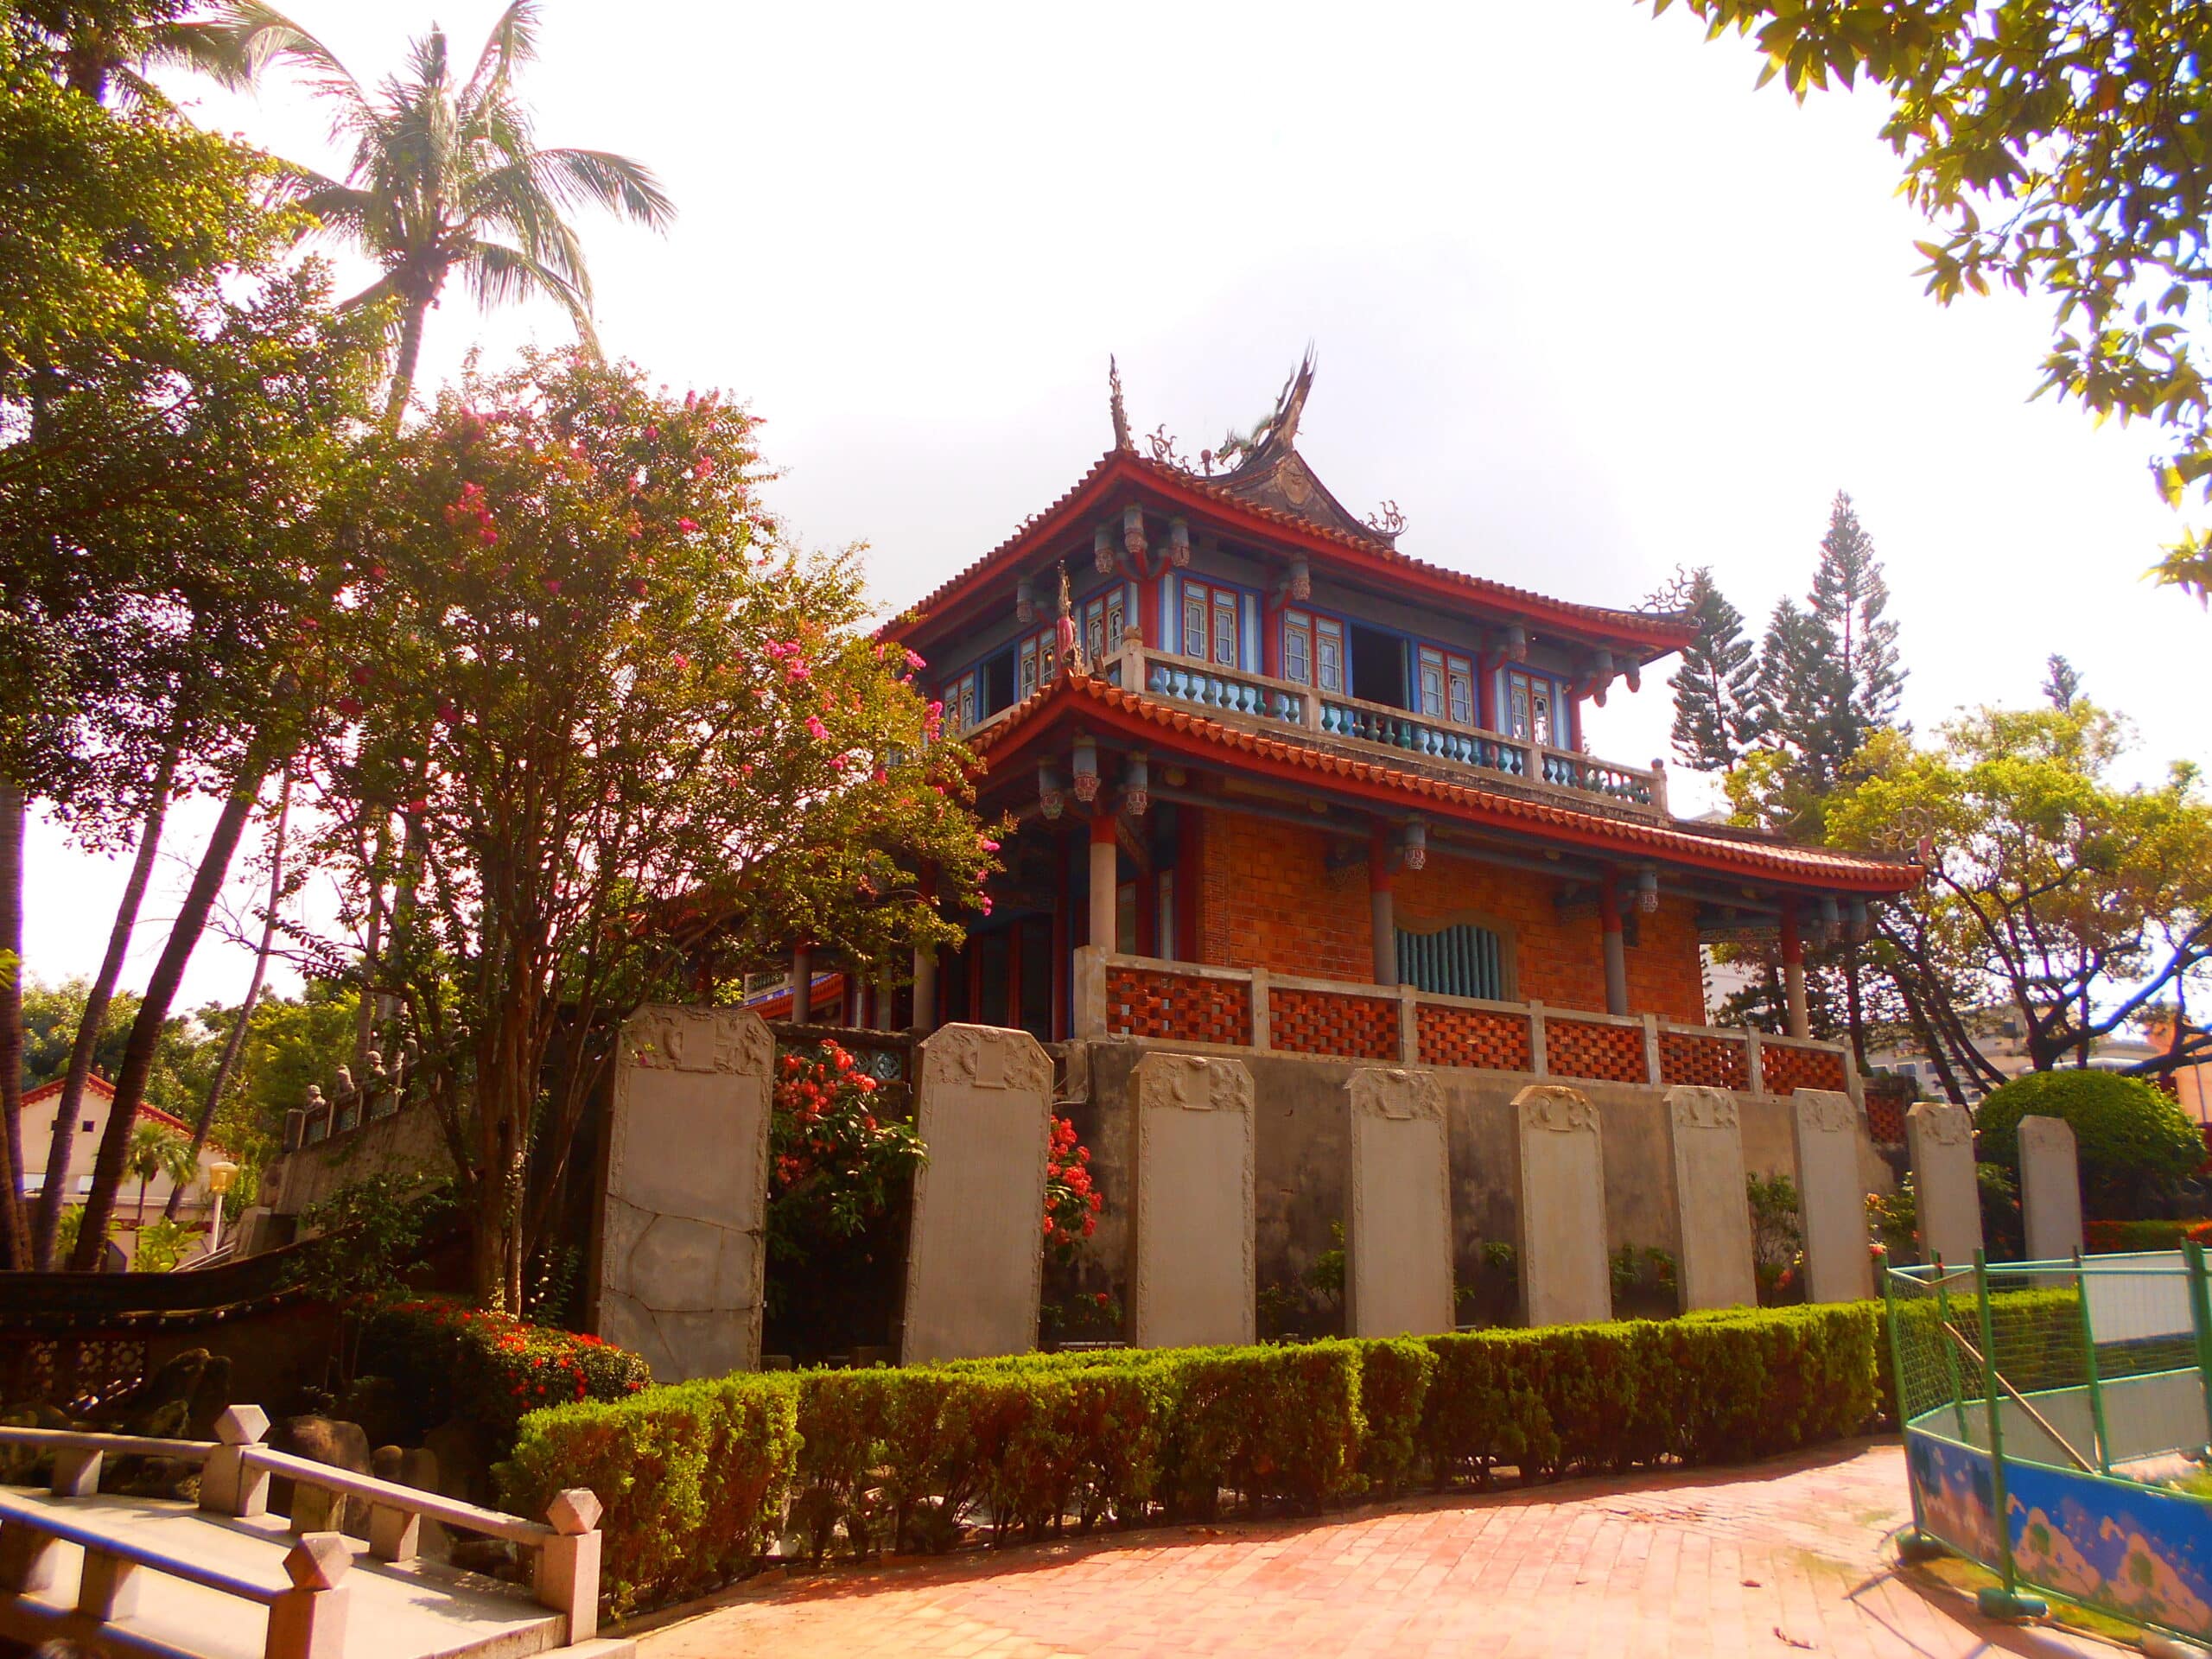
x,y
998,684
1378,667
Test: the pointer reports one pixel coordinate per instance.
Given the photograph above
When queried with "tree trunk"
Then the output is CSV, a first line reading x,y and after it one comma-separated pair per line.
x,y
410,354
236,1041
146,1030
15,1237
55,1197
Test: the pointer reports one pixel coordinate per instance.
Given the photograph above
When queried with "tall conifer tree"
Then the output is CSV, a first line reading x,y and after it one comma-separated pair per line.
x,y
1849,596
1716,688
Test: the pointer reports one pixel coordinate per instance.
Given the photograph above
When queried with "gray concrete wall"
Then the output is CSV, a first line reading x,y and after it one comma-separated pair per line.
x,y
408,1142
1304,1155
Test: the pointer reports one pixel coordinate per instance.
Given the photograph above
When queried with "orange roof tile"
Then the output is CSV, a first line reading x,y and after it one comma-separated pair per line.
x,y
1711,846
1659,633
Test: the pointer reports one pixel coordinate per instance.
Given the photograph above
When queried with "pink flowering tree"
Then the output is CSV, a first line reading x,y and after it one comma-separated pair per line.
x,y
594,734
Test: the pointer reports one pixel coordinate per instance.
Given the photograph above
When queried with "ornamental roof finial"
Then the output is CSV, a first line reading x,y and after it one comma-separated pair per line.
x,y
1120,415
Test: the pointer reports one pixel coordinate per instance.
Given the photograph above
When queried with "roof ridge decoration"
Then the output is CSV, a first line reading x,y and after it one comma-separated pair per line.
x,y
1263,465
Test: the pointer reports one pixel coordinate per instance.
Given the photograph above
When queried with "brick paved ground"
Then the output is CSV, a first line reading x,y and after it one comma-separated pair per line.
x,y
1783,1558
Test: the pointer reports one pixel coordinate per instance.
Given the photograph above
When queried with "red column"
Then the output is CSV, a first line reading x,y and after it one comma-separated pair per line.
x,y
1382,906
1271,638
1062,942
1486,690
1148,610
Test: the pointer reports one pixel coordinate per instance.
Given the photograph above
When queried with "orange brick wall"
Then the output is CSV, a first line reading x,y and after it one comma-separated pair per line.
x,y
1268,899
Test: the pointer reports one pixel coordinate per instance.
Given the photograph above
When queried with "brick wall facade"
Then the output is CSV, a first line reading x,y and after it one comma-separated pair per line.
x,y
1268,899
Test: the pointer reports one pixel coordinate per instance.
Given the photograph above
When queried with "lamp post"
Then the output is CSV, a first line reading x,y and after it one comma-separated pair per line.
x,y
220,1174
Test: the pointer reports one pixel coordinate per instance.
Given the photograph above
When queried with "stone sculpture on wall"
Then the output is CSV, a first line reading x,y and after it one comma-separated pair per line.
x,y
1707,1142
1566,1278
1824,1126
1192,1246
682,1215
976,1256
1398,1239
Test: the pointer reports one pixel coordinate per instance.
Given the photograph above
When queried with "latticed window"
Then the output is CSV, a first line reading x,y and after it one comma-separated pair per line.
x,y
1224,630
1194,623
1462,961
1298,647
1329,653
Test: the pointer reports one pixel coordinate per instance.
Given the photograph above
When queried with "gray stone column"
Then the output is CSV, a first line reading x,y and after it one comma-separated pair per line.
x,y
1105,882
1824,1129
2050,1188
1383,909
1941,1140
974,1257
802,984
1714,1212
1398,1235
1609,916
925,989
680,1257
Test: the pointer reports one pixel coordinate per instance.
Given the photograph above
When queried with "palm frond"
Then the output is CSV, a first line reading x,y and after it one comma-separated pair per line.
x,y
614,183
497,274
240,42
513,39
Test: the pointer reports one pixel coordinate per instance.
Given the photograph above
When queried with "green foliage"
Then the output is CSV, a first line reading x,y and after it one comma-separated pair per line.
x,y
2054,892
2062,149
693,1476
1777,1236
490,1368
2133,1141
1717,710
497,217
1893,1219
835,1166
361,1241
890,1458
576,658
161,1244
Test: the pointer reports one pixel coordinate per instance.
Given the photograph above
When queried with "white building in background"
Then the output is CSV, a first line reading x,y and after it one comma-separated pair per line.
x,y
40,1106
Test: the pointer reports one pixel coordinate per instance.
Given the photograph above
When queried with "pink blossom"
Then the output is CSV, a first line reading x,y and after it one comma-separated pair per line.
x,y
816,729
705,467
653,434
836,762
552,584
988,845
679,659
687,526
985,902
914,660
936,710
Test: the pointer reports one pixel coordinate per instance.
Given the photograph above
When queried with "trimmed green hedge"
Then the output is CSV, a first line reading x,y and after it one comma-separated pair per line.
x,y
698,1477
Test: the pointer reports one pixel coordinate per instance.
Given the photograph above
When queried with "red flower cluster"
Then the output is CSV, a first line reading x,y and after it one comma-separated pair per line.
x,y
509,1366
1071,1202
473,509
835,1163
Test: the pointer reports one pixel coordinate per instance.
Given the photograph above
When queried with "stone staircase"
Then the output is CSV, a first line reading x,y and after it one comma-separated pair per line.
x,y
225,1580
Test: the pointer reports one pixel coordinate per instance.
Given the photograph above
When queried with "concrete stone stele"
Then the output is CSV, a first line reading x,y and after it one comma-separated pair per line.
x,y
1941,1141
976,1256
1565,1276
682,1256
2050,1188
1710,1202
1398,1237
1191,1248
1824,1124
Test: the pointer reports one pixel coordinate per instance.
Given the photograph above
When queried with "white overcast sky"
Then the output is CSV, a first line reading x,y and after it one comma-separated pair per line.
x,y
1587,309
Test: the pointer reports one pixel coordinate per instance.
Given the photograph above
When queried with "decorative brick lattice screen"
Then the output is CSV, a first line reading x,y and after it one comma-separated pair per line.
x,y
1716,1062
1474,1037
1785,1071
1321,1022
1583,1048
1181,1008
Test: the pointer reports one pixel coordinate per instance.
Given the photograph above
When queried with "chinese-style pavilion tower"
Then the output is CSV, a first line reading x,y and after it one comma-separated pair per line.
x,y
1295,788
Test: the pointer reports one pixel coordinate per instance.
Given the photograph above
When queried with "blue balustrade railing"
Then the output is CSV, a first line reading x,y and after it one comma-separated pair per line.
x,y
1596,778
1425,738
1207,687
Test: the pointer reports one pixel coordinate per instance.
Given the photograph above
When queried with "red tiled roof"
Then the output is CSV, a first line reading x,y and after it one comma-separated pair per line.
x,y
1152,722
97,1084
1657,634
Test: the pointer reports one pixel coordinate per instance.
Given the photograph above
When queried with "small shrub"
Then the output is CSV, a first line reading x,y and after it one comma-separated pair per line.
x,y
454,1360
2133,1141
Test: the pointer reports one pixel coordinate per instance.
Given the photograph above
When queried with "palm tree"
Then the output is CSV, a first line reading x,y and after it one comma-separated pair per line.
x,y
446,177
157,1149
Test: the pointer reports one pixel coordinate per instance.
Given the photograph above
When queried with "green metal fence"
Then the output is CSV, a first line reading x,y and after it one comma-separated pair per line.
x,y
2055,1416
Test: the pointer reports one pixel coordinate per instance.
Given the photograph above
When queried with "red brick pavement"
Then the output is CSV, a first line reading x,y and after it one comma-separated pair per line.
x,y
1783,1558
